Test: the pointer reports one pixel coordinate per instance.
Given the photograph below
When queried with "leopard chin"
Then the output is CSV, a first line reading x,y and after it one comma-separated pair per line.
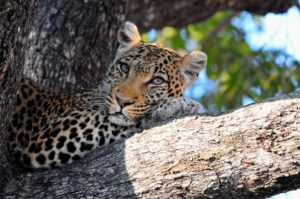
x,y
120,120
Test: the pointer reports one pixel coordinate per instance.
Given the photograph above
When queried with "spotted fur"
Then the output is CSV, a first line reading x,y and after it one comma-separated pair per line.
x,y
145,83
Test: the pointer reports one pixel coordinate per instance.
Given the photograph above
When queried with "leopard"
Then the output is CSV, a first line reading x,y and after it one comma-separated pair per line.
x,y
144,84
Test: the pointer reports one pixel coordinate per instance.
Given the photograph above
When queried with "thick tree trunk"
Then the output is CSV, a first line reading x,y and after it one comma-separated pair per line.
x,y
252,152
71,43
14,22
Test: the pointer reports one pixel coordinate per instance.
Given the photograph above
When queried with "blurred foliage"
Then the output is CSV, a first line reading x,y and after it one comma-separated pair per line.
x,y
235,72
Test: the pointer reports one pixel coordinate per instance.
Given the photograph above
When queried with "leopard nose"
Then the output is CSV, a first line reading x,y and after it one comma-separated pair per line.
x,y
124,102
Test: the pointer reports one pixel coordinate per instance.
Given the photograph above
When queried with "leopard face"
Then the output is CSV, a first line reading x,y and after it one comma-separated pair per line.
x,y
144,74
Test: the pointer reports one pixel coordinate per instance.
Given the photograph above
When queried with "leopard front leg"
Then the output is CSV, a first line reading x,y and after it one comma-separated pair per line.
x,y
173,108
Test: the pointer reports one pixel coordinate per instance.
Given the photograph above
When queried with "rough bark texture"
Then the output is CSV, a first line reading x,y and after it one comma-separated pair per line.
x,y
252,152
71,43
157,14
13,27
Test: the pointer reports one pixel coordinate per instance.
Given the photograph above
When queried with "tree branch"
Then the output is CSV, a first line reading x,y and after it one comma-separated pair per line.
x,y
247,153
157,14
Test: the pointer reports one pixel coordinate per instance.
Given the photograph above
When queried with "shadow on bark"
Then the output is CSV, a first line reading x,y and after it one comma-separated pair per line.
x,y
106,177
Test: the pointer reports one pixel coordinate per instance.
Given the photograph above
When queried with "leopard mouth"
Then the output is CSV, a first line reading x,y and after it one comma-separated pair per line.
x,y
120,119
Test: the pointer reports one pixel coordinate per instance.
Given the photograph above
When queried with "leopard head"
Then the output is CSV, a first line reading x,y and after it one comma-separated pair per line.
x,y
144,74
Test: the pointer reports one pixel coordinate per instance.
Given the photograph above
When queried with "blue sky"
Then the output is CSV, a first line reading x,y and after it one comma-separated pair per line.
x,y
288,195
278,31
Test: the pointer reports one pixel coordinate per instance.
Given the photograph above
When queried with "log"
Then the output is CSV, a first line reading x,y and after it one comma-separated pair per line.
x,y
252,152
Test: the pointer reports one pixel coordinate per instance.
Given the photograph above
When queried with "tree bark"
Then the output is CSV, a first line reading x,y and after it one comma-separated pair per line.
x,y
252,152
71,43
14,22
178,13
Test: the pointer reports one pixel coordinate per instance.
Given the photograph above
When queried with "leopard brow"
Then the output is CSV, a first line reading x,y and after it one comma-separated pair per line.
x,y
149,75
122,62
156,73
162,75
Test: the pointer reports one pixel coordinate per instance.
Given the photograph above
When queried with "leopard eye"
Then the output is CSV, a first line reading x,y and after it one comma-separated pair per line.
x,y
124,68
157,81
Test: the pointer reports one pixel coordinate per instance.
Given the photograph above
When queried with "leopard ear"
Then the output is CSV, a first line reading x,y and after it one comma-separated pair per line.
x,y
191,64
128,36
